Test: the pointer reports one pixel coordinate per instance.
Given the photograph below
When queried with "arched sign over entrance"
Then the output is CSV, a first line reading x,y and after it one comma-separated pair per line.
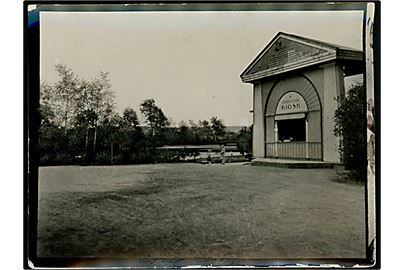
x,y
291,102
293,120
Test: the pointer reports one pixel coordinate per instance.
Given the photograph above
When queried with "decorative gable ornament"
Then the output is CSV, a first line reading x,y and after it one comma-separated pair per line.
x,y
287,52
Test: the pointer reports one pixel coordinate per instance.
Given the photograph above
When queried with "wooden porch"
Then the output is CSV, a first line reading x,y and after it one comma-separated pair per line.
x,y
293,164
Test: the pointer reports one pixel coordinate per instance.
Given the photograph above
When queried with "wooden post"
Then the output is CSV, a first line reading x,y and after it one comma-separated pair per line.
x,y
306,139
276,137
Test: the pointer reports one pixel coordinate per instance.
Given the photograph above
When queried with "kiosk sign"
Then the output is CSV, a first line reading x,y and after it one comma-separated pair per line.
x,y
291,102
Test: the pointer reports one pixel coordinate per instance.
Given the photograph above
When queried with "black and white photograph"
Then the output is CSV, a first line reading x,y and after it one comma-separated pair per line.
x,y
201,134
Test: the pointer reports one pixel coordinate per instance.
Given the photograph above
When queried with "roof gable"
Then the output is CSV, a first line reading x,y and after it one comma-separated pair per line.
x,y
287,52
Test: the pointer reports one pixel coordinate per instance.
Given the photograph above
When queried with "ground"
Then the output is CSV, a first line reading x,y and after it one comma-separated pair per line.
x,y
198,211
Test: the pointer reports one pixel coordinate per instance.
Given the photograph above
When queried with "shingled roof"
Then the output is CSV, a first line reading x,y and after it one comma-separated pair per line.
x,y
287,52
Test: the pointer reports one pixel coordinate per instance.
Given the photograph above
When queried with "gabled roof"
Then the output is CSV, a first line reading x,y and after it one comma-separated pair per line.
x,y
287,52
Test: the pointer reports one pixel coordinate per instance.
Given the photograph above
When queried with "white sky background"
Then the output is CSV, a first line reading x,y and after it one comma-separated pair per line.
x,y
189,62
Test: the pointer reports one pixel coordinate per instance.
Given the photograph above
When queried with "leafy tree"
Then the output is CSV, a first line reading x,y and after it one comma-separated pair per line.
x,y
171,136
155,118
217,127
130,118
244,140
194,132
204,129
101,100
62,97
75,106
350,126
52,144
131,126
183,132
46,113
94,103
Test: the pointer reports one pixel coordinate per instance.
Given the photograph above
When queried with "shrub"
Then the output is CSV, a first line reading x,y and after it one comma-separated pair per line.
x,y
350,126
103,158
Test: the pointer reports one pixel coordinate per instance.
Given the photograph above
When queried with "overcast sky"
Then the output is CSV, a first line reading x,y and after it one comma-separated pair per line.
x,y
189,62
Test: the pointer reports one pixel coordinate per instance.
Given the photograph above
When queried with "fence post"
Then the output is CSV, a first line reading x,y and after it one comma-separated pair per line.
x,y
276,137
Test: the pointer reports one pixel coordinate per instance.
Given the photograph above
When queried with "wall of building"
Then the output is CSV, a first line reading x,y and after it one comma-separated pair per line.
x,y
314,127
315,76
266,88
270,129
329,85
333,89
258,122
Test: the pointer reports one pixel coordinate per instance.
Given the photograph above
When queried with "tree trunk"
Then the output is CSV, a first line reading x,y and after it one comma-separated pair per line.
x,y
95,138
87,137
65,120
112,153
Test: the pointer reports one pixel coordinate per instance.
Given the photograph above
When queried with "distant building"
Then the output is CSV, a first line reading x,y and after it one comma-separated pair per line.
x,y
298,83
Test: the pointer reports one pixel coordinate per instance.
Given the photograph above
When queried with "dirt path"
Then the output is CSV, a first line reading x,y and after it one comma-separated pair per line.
x,y
198,211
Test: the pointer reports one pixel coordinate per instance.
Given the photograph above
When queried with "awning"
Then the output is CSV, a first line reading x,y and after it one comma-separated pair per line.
x,y
290,116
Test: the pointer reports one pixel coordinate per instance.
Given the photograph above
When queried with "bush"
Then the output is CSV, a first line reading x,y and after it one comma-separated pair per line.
x,y
350,125
244,141
103,158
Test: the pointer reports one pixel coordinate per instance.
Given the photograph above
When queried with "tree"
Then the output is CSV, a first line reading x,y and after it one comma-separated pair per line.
x,y
350,126
244,140
204,129
183,132
217,127
194,133
155,117
95,103
130,124
130,118
46,113
62,97
76,105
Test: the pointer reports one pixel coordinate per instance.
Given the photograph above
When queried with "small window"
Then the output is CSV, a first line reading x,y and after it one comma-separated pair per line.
x,y
291,130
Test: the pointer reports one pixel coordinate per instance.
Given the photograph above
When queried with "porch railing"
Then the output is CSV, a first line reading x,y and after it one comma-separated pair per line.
x,y
295,150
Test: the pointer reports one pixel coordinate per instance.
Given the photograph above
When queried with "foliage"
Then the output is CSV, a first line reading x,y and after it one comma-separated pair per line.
x,y
74,103
350,126
79,125
58,101
155,117
244,141
52,141
217,127
205,129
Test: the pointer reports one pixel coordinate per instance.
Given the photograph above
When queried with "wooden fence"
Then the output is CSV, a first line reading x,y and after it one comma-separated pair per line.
x,y
294,150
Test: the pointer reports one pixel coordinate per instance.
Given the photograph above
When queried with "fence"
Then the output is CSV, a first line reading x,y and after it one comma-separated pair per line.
x,y
295,150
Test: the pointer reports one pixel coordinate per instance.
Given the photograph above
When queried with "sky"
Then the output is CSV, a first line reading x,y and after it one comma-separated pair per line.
x,y
188,62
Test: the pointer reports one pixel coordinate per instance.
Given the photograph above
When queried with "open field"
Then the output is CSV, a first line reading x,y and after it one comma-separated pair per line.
x,y
198,211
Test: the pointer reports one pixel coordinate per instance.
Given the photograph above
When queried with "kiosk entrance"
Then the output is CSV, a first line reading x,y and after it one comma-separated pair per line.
x,y
292,118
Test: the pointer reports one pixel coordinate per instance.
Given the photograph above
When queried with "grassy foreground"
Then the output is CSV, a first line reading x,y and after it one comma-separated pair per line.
x,y
198,211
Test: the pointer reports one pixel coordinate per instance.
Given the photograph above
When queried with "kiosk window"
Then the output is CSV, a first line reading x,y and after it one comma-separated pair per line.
x,y
291,130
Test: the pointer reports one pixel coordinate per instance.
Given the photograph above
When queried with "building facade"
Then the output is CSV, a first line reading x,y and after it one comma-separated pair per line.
x,y
298,83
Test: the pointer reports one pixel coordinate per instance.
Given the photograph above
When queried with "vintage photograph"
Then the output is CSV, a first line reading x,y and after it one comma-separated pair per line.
x,y
205,132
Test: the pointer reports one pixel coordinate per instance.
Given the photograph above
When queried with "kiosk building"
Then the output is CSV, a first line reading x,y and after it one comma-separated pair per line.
x,y
298,83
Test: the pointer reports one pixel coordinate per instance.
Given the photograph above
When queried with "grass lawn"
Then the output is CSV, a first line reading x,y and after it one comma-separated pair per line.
x,y
198,211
